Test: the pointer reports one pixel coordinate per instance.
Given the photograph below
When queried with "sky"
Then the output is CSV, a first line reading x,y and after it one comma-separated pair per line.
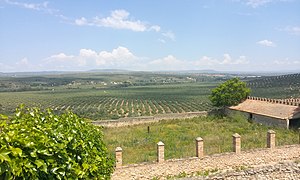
x,y
156,35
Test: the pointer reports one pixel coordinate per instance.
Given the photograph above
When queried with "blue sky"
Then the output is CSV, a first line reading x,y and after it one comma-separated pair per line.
x,y
230,35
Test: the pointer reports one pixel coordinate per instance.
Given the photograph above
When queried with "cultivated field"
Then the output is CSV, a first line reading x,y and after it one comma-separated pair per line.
x,y
115,103
129,94
285,86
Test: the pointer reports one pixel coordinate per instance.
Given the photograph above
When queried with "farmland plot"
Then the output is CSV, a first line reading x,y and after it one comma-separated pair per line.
x,y
113,103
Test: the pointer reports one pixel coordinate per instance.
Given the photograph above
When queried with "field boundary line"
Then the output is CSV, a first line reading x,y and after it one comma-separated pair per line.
x,y
130,121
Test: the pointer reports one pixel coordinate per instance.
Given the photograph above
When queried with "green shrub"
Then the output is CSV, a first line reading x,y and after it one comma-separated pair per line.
x,y
229,93
42,145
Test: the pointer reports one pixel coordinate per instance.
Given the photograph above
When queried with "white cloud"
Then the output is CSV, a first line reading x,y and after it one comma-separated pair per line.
x,y
123,58
61,56
258,3
118,19
81,22
23,65
227,60
294,30
169,62
61,61
42,7
34,6
88,58
169,35
88,53
266,43
118,56
242,60
155,28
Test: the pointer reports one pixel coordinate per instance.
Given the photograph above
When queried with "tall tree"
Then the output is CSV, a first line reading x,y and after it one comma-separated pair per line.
x,y
229,93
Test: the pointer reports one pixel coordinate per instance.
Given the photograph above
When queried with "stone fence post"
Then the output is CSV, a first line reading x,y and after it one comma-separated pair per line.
x,y
271,139
199,147
160,152
118,157
236,139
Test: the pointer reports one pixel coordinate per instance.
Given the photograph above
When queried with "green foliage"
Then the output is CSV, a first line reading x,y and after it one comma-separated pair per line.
x,y
41,145
229,93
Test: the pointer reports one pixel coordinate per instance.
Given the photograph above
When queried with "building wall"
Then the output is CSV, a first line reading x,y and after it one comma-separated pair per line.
x,y
269,121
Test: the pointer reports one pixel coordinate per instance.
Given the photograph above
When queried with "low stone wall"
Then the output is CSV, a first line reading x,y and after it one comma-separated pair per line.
x,y
269,121
225,161
147,119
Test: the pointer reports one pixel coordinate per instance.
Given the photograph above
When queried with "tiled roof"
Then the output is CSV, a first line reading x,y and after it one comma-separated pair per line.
x,y
280,111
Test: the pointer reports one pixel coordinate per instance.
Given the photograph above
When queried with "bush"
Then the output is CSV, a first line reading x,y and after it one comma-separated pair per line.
x,y
42,145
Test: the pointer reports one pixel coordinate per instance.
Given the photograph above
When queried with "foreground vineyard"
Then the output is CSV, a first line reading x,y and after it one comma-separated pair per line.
x,y
115,103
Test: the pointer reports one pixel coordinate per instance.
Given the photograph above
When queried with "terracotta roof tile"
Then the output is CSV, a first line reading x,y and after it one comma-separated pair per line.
x,y
280,111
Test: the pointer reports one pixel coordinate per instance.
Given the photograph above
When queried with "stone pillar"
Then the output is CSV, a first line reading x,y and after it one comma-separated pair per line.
x,y
271,139
199,147
236,139
118,157
160,152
